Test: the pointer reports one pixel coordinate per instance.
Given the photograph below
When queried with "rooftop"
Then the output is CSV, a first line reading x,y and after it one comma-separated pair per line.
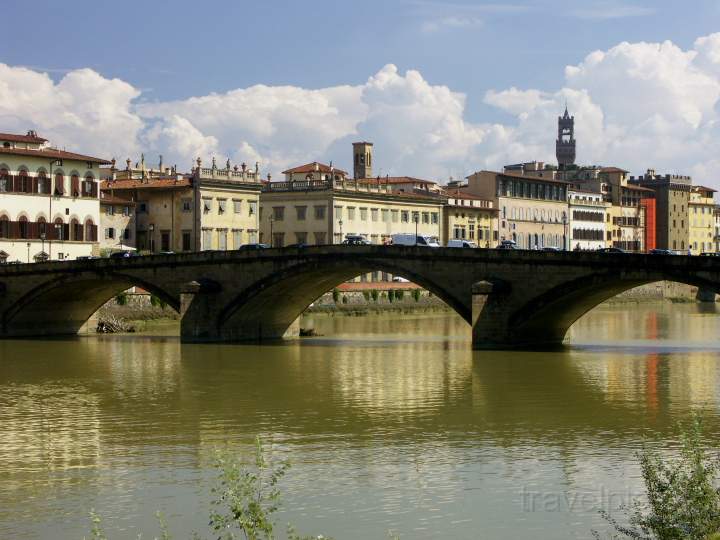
x,y
154,183
31,137
52,153
612,170
395,180
315,166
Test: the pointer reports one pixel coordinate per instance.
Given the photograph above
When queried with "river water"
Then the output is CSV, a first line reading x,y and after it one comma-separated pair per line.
x,y
392,423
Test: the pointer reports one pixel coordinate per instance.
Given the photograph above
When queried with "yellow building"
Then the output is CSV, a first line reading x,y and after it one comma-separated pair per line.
x,y
468,217
318,204
210,208
117,223
701,219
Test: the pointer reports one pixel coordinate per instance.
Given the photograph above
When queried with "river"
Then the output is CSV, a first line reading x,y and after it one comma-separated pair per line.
x,y
391,422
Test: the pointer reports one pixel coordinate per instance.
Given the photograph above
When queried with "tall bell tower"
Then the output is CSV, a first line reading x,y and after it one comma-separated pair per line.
x,y
362,160
565,144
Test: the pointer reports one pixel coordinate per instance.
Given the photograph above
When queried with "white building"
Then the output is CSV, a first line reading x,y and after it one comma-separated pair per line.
x,y
588,220
49,205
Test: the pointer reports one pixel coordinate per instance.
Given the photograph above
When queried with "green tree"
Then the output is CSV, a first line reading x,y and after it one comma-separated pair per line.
x,y
374,295
336,295
157,302
121,299
682,500
416,294
391,296
366,295
399,294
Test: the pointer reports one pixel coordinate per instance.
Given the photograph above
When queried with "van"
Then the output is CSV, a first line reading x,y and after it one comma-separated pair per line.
x,y
355,240
460,243
409,239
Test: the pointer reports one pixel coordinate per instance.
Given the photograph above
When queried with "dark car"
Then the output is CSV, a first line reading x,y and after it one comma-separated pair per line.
x,y
611,250
123,254
251,247
299,245
86,257
355,240
507,244
551,248
660,252
709,254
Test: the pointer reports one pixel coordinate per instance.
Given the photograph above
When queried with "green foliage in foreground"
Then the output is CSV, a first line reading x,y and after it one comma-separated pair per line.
x,y
683,502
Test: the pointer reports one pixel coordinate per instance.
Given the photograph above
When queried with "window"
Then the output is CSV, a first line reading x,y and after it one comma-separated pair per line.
x,y
301,211
126,211
237,238
252,208
320,212
186,236
320,238
351,213
374,213
385,215
126,234
222,239
471,231
4,176
164,240
207,239
252,236
222,205
395,215
237,206
110,233
426,217
278,213
416,217
405,216
301,237
278,240
110,210
59,184
434,218
142,208
187,206
363,214
207,206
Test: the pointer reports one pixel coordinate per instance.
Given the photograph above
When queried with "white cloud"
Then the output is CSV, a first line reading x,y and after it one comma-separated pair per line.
x,y
636,105
611,10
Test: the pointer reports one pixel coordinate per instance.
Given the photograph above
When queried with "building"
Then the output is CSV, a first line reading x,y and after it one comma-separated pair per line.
x,y
318,204
588,218
210,208
716,216
532,210
701,218
117,223
468,217
672,201
565,143
49,205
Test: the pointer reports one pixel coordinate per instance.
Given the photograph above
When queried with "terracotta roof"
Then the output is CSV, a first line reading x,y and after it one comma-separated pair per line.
x,y
21,138
155,183
395,180
580,190
459,194
705,188
106,198
638,188
51,153
612,169
310,167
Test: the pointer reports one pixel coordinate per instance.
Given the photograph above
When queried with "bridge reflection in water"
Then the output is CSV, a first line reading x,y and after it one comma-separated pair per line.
x,y
511,299
403,429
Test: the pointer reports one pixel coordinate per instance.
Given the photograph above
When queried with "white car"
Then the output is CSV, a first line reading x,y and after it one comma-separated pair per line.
x,y
459,243
409,239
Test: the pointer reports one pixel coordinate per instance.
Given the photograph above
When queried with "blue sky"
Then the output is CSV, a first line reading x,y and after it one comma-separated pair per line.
x,y
165,52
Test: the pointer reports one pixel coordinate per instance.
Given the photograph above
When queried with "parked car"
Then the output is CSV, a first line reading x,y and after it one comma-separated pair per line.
x,y
299,245
123,254
398,279
661,252
251,247
611,250
459,243
507,244
709,254
551,248
355,240
409,239
86,257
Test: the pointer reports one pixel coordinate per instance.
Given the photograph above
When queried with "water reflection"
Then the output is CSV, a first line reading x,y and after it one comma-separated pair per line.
x,y
392,423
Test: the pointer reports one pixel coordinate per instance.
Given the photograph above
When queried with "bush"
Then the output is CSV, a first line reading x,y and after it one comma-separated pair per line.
x,y
336,295
416,294
391,296
374,295
121,299
366,295
399,294
682,501
157,302
344,299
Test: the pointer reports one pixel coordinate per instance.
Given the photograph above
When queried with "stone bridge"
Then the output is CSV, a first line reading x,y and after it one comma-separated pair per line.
x,y
523,299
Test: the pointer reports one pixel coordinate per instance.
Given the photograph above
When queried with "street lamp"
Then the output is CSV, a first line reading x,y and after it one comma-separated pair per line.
x,y
564,221
341,235
151,228
28,246
271,219
42,238
59,163
416,219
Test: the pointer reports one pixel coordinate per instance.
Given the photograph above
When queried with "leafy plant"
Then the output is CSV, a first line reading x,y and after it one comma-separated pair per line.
x,y
391,296
416,294
366,295
157,302
121,299
374,295
682,500
399,294
335,295
344,299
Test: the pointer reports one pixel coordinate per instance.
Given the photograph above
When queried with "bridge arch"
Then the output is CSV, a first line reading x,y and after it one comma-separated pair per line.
x,y
269,306
62,305
549,316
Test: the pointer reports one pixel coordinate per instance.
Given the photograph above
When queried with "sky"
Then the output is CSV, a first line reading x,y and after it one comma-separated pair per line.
x,y
442,88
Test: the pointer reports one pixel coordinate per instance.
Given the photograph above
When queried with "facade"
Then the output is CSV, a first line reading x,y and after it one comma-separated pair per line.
x,y
565,143
210,208
588,218
326,207
672,201
117,223
468,217
701,218
49,205
532,210
716,216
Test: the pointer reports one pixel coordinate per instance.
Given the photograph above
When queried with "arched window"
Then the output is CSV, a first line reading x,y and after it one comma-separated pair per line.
x,y
90,231
41,226
23,185
74,185
76,231
4,180
59,184
23,227
4,227
89,188
59,226
43,182
537,243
